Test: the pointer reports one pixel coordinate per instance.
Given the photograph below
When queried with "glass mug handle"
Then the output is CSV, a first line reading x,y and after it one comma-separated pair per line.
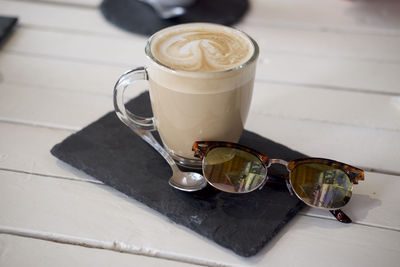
x,y
133,121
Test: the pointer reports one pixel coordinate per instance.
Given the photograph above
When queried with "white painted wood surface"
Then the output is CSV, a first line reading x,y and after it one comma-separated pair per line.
x,y
20,251
96,212
328,84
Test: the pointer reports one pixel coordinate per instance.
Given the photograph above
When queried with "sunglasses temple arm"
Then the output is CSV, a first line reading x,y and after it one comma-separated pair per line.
x,y
341,216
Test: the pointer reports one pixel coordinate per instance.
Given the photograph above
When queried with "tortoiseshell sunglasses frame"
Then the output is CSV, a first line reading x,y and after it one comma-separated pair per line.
x,y
201,148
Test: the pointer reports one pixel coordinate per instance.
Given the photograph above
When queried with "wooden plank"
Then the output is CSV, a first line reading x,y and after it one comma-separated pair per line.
x,y
98,213
349,144
20,251
64,17
270,39
63,109
74,46
344,143
325,44
280,100
27,149
368,148
345,74
338,74
317,136
326,106
60,74
374,17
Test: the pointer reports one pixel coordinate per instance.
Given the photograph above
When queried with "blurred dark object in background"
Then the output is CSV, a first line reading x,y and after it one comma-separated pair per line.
x,y
6,26
168,9
138,17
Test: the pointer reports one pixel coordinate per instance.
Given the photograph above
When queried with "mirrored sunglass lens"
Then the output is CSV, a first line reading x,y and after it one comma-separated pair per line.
x,y
320,185
233,170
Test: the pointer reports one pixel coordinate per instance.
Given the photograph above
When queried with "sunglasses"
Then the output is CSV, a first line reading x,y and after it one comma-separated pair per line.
x,y
319,183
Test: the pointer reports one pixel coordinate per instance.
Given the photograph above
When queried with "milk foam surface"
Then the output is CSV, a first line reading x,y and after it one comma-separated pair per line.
x,y
202,48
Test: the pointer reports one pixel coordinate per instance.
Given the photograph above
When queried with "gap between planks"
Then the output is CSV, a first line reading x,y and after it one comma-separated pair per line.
x,y
78,4
52,176
358,223
117,246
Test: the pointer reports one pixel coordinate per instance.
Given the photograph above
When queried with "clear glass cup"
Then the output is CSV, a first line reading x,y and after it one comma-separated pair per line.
x,y
189,106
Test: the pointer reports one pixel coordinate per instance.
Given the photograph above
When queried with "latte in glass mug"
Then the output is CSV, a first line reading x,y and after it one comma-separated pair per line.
x,y
201,78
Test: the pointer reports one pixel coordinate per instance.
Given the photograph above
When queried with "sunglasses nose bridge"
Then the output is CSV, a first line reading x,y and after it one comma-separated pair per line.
x,y
277,161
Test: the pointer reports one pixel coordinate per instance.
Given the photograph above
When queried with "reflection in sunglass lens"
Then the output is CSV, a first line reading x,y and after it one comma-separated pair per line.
x,y
233,170
321,185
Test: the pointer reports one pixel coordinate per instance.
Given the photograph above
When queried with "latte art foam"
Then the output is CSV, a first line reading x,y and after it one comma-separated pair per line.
x,y
205,48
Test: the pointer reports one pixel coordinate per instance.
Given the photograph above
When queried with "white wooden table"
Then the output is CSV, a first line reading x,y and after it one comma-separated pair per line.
x,y
327,85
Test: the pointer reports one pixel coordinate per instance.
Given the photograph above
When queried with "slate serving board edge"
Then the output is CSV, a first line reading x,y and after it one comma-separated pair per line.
x,y
65,151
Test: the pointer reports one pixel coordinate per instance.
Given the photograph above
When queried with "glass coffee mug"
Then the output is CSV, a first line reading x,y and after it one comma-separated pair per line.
x,y
201,78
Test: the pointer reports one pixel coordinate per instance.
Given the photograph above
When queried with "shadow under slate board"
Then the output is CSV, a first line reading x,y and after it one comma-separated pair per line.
x,y
113,154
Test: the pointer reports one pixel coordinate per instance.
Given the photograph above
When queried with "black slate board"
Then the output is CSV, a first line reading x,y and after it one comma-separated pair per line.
x,y
137,17
112,153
